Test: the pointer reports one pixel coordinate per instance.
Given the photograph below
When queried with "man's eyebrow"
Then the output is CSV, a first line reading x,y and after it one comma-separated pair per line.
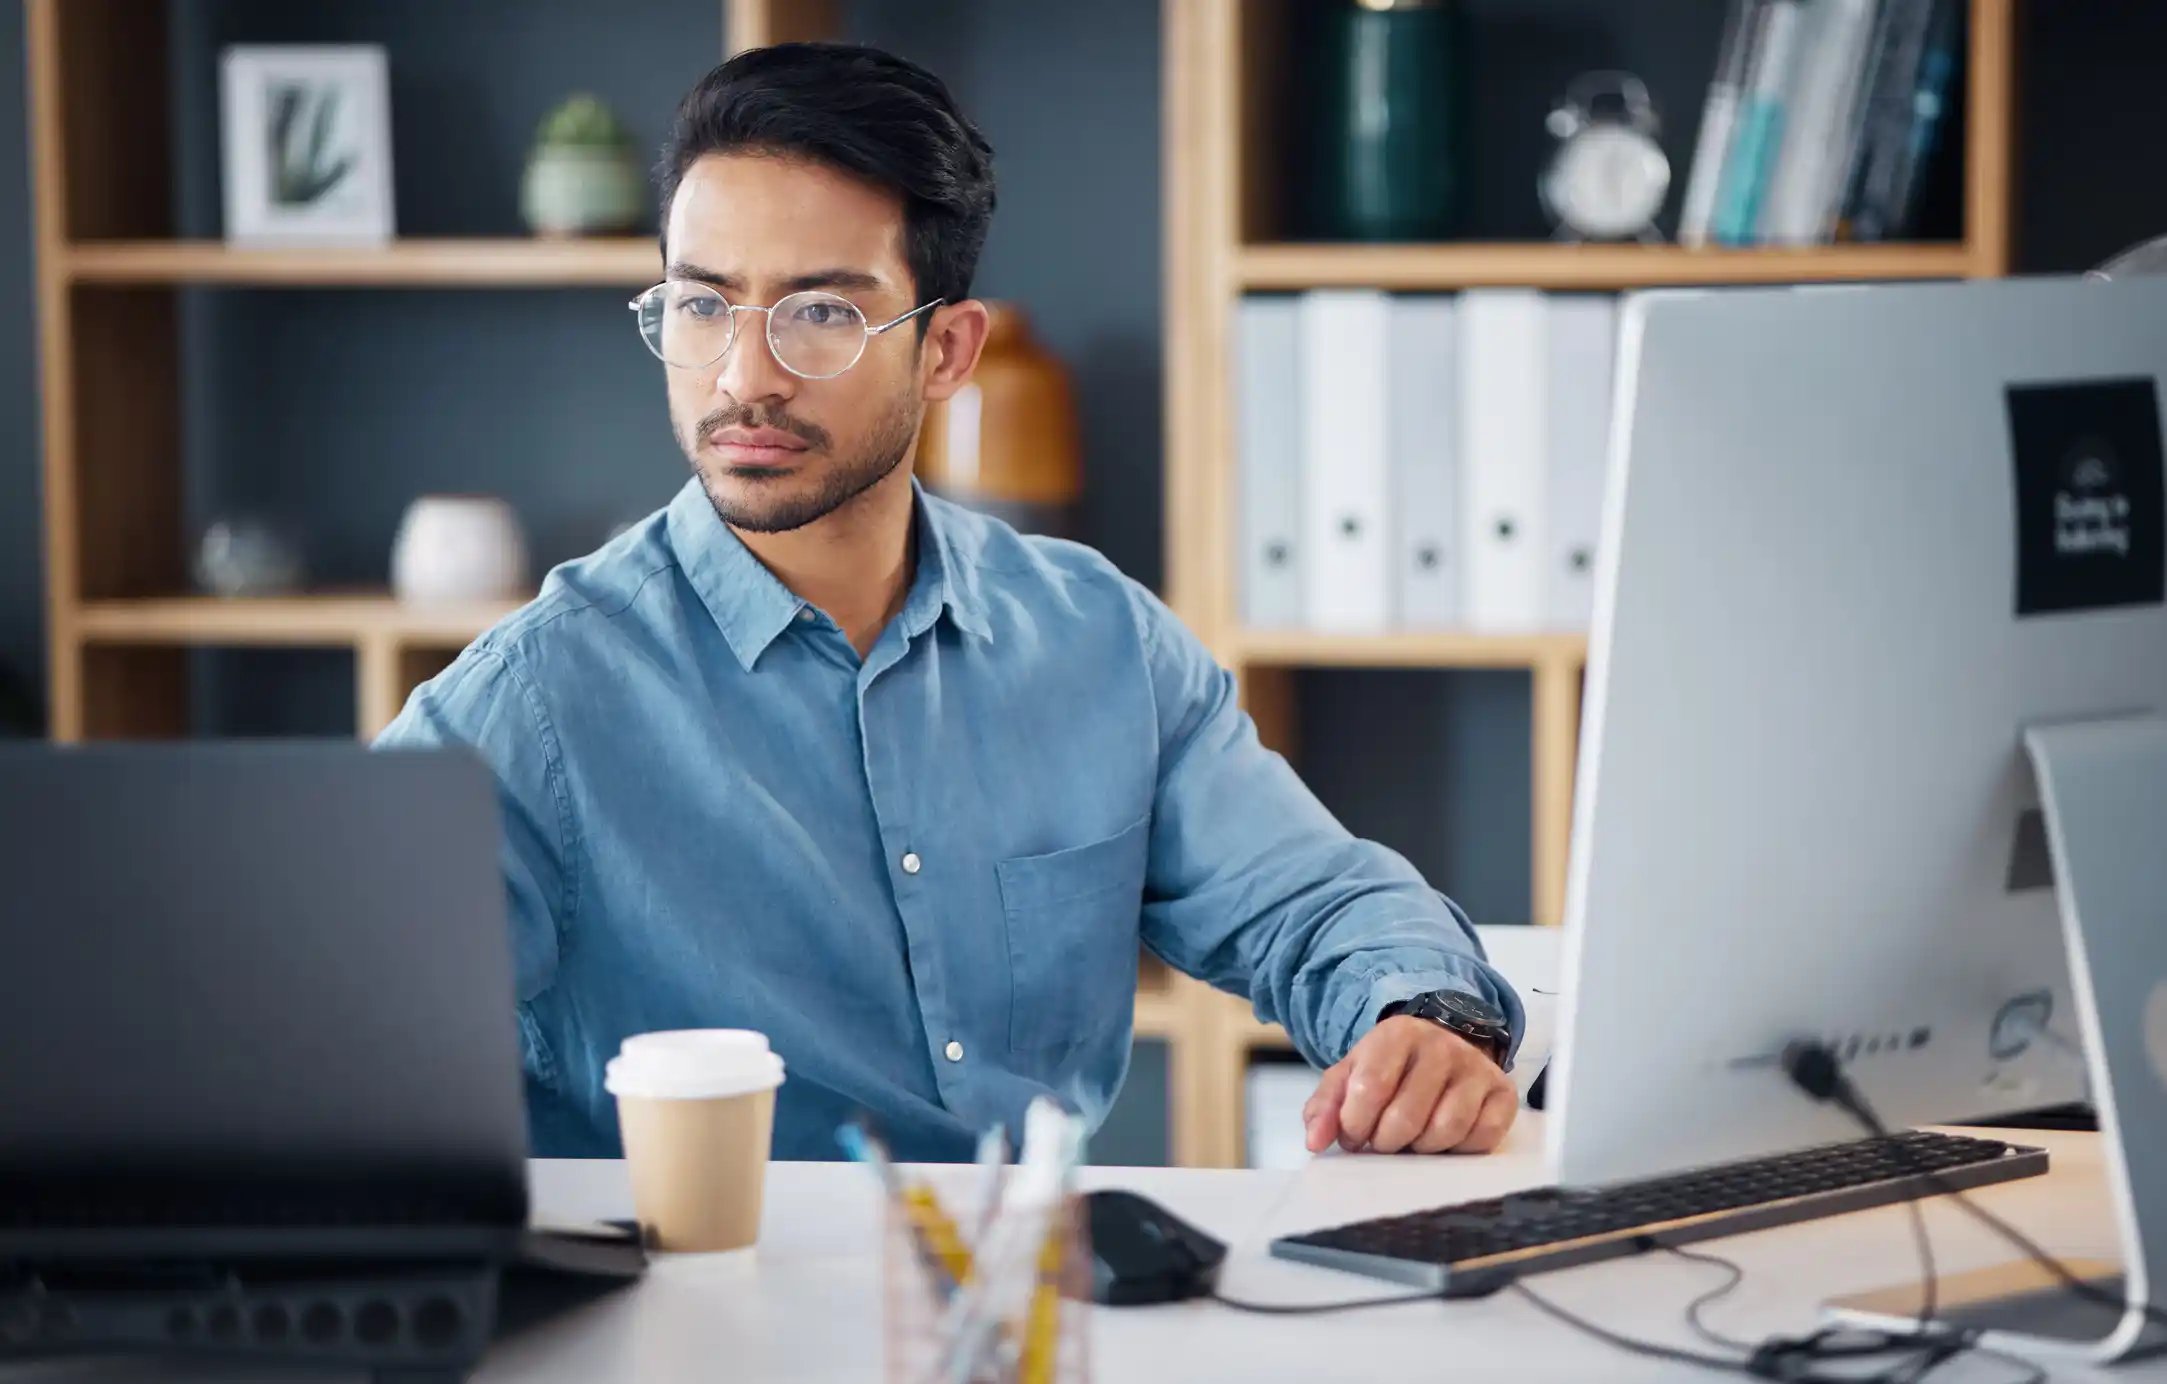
x,y
833,279
682,270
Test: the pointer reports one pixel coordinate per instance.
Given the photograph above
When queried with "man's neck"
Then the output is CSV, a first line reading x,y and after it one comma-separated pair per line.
x,y
855,564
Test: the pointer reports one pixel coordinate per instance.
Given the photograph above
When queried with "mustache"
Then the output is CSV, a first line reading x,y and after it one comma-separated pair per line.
x,y
742,416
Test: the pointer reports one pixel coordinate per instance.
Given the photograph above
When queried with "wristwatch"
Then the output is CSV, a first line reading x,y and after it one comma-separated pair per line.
x,y
1478,1021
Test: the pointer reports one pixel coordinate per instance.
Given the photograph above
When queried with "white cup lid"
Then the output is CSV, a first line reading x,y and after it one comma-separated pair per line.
x,y
693,1064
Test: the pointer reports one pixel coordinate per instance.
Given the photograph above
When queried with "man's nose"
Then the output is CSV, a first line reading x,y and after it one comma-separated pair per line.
x,y
749,370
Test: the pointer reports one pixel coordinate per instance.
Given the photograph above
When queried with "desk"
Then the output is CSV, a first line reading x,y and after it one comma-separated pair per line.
x,y
806,1304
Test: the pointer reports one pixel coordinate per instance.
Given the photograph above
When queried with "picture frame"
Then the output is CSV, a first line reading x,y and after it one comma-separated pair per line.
x,y
307,144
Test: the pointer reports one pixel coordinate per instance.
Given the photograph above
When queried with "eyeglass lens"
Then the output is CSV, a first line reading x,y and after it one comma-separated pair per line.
x,y
813,334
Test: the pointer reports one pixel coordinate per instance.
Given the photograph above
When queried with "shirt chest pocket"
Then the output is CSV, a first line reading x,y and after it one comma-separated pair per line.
x,y
1073,920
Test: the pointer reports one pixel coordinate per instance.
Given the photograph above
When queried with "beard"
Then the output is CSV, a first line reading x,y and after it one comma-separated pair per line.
x,y
757,501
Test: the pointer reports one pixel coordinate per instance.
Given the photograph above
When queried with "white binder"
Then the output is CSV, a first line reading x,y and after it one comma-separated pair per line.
x,y
1347,549
1582,334
1423,436
1502,458
1267,407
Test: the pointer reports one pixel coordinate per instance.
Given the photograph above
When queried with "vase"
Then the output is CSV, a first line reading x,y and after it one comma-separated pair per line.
x,y
1387,87
582,189
1007,443
458,548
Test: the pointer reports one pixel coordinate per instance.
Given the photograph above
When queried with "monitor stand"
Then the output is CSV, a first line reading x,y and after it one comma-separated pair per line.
x,y
2103,787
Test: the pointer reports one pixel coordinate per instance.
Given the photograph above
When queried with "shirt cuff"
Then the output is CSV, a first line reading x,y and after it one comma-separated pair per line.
x,y
1473,978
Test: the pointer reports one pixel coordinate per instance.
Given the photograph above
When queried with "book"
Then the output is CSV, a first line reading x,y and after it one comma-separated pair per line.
x,y
1268,443
1719,113
1346,539
1886,120
1423,434
1502,457
1758,140
1581,356
1938,64
1832,61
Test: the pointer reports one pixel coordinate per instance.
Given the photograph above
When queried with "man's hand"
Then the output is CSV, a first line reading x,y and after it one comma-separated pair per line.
x,y
1410,1084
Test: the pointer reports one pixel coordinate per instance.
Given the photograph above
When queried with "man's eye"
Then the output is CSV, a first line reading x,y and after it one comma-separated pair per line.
x,y
700,306
821,314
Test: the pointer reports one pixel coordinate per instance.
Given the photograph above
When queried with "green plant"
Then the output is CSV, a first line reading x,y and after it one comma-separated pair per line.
x,y
303,174
582,120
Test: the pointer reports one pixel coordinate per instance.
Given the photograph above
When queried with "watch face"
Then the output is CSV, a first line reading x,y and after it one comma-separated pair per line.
x,y
1607,180
1467,1009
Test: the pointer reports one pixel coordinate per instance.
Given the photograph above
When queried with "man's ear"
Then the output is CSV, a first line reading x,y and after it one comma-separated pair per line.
x,y
952,345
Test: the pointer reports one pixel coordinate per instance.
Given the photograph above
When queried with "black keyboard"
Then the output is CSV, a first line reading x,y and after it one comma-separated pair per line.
x,y
1479,1246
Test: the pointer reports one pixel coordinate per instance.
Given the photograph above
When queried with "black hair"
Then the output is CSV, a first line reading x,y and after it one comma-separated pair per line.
x,y
864,112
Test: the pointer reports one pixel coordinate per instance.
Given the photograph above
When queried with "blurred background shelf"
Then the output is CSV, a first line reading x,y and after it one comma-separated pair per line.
x,y
1589,268
477,262
1444,649
326,619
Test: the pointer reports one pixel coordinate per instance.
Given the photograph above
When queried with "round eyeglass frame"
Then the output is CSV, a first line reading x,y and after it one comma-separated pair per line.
x,y
869,329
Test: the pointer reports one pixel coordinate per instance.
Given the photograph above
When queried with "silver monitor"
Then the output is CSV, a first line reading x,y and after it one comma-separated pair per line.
x,y
1857,541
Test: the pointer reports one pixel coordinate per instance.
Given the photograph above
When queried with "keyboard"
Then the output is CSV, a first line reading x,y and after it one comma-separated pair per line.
x,y
1478,1247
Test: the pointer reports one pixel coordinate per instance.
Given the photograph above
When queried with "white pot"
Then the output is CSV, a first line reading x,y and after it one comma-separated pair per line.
x,y
459,548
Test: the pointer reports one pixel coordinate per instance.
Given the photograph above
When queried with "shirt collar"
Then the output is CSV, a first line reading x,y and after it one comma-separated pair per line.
x,y
752,607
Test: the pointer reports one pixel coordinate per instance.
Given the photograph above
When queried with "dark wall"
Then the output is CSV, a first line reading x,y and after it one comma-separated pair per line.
x,y
22,651
545,397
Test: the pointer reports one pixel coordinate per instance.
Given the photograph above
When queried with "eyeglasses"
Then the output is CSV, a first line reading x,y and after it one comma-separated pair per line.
x,y
814,335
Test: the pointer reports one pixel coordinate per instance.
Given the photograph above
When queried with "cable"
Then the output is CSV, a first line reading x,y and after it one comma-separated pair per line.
x,y
1714,1295
1306,1309
1650,1349
1814,1069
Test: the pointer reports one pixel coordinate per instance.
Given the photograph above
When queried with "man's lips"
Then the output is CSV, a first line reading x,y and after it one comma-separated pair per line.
x,y
757,446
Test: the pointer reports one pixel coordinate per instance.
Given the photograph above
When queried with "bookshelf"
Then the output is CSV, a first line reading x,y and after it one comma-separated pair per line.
x,y
1226,67
110,271
629,262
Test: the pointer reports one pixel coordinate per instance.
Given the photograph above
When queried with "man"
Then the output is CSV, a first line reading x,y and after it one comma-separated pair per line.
x,y
814,753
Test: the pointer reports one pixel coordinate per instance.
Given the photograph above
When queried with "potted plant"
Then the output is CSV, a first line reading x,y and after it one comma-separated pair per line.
x,y
582,178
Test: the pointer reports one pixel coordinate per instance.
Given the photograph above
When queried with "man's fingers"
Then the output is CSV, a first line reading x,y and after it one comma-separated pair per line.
x,y
1455,1114
1320,1116
1379,1060
1499,1109
1405,1119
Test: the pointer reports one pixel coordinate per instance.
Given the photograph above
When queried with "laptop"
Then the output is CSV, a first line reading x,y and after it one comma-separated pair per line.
x,y
263,1089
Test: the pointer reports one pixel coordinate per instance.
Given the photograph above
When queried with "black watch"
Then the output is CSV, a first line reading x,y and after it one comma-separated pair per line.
x,y
1478,1021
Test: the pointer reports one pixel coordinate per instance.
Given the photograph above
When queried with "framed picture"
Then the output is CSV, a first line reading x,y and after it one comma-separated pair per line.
x,y
307,143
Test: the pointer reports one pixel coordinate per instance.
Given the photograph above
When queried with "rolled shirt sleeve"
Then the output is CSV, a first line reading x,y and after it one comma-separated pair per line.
x,y
1256,888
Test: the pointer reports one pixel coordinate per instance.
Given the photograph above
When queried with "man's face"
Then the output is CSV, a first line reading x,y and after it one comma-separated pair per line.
x,y
776,452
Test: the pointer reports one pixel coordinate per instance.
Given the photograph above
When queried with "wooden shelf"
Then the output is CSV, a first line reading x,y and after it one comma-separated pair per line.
x,y
1159,1014
327,620
1587,267
1299,649
616,261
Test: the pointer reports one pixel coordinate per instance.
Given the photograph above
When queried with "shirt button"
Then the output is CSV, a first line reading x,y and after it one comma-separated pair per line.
x,y
911,866
808,614
953,1052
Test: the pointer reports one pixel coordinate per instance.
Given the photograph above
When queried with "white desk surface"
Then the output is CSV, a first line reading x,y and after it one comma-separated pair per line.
x,y
806,1304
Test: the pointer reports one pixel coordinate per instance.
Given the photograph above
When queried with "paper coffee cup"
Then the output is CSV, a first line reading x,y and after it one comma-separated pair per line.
x,y
696,1108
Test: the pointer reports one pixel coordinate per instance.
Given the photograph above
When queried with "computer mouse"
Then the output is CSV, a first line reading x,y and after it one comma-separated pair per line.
x,y
1141,1252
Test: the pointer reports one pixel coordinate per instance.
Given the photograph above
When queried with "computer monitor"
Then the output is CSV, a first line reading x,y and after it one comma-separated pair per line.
x,y
1856,541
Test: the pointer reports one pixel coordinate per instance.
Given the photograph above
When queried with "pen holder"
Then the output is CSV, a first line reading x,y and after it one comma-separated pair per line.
x,y
1048,1342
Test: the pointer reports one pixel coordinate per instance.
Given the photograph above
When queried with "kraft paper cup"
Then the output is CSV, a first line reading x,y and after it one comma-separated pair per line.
x,y
696,1108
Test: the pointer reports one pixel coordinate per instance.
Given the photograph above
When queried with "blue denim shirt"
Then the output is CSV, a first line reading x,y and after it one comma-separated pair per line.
x,y
925,875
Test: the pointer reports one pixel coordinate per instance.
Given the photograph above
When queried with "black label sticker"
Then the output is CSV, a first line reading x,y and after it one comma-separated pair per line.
x,y
2091,495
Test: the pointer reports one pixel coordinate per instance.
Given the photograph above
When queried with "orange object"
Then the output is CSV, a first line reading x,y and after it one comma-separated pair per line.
x,y
1007,442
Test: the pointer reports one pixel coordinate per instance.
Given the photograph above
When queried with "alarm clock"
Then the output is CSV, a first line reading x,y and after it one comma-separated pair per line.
x,y
1607,178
